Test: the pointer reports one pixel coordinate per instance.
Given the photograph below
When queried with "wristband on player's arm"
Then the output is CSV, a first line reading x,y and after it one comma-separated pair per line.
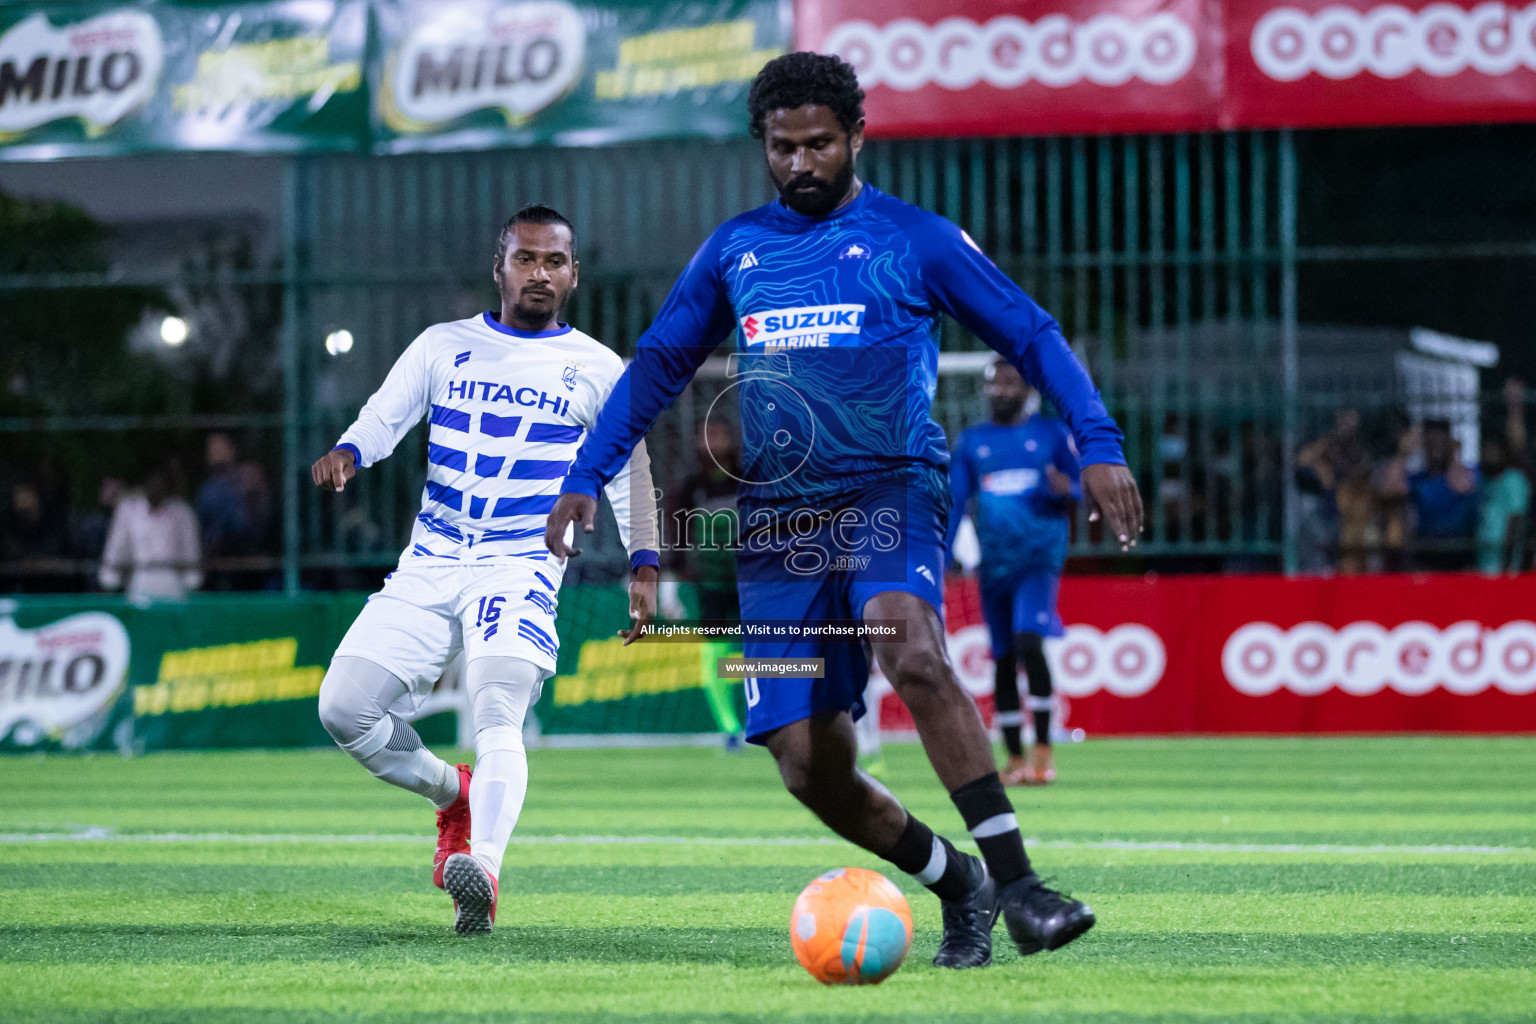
x,y
642,558
357,456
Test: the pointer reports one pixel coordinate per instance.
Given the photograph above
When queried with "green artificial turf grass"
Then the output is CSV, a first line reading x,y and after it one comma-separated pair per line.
x,y
1395,880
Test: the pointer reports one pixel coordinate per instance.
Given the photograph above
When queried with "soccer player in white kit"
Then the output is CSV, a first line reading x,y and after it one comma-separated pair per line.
x,y
509,399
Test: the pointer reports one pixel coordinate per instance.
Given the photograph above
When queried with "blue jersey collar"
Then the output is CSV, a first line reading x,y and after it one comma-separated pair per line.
x,y
561,327
865,197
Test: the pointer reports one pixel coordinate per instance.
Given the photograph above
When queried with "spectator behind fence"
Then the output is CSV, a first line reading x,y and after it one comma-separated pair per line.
x,y
33,538
233,509
33,528
152,544
1389,479
1442,499
90,529
1504,511
1340,465
1506,500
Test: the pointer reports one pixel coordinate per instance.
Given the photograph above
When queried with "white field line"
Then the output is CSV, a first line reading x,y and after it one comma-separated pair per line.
x,y
96,834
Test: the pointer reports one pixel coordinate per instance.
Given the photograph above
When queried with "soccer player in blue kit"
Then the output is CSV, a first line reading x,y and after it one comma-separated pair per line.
x,y
1023,473
836,291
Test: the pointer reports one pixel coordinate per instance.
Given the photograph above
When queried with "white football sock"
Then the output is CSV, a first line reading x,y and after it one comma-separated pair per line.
x,y
496,796
354,707
500,690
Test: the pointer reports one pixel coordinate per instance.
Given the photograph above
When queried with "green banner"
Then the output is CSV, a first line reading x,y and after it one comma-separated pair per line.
x,y
475,74
244,670
601,686
102,79
387,76
239,671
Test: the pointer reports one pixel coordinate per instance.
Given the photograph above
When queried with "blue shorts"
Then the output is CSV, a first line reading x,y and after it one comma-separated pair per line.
x,y
1025,603
889,537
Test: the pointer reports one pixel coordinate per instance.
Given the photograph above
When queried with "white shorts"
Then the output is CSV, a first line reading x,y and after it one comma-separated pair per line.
x,y
426,616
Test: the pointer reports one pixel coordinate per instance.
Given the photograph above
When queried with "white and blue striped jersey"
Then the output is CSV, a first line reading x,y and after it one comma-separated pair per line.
x,y
508,410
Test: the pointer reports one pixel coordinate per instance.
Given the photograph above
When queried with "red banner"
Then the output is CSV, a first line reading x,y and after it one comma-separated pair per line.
x,y
988,67
1320,63
1265,654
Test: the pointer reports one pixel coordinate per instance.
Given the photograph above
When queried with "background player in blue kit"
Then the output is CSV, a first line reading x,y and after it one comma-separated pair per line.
x,y
1023,474
836,292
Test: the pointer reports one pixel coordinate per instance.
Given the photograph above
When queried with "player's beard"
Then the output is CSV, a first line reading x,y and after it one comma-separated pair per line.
x,y
1006,410
823,199
529,314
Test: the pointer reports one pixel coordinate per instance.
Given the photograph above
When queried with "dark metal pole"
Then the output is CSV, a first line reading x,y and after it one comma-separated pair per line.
x,y
293,467
1288,355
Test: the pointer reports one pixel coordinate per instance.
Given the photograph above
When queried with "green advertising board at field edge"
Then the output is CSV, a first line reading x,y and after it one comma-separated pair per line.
x,y
96,672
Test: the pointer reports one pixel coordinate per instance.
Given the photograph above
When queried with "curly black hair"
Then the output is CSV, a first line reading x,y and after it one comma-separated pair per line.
x,y
797,79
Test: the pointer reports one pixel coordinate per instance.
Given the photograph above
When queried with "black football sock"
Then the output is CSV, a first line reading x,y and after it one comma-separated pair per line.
x,y
1005,689
1032,654
932,860
988,813
1040,709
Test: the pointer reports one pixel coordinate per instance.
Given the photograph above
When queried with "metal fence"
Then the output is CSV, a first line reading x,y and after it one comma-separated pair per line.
x,y
1172,263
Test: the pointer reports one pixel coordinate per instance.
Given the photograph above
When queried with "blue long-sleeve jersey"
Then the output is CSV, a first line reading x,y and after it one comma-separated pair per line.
x,y
1021,523
837,322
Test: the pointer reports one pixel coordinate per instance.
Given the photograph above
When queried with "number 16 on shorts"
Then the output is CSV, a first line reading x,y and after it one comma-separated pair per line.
x,y
489,614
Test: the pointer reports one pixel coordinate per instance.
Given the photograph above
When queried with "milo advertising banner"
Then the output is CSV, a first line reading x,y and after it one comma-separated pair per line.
x,y
83,674
99,79
479,73
98,673
62,682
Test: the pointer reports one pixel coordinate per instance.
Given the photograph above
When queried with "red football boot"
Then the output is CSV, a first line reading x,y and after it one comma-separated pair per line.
x,y
474,894
452,828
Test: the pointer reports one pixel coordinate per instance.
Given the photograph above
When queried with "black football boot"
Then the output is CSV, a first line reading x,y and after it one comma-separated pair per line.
x,y
1041,918
967,940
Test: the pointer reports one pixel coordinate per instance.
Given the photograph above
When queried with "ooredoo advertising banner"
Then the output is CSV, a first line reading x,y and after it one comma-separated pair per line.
x,y
990,67
1309,63
987,67
1266,654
